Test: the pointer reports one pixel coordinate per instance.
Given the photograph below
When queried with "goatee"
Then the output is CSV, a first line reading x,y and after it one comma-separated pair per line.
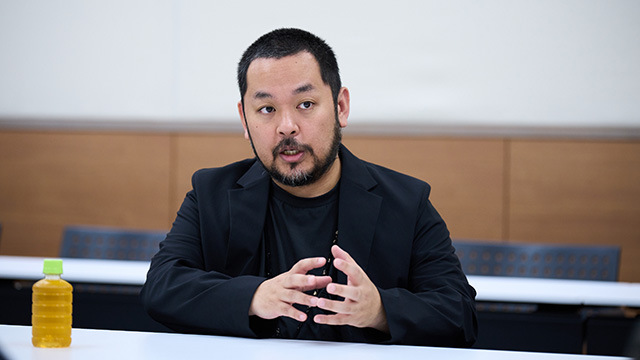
x,y
299,177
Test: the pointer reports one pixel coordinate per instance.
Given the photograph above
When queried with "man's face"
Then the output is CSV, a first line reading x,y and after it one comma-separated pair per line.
x,y
290,117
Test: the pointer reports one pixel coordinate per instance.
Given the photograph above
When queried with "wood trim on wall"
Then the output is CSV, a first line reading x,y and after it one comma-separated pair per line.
x,y
504,189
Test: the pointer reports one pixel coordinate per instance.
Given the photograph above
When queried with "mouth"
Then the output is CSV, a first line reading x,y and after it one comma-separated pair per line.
x,y
290,152
291,155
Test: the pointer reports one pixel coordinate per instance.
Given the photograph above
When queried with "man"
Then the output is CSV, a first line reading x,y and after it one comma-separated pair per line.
x,y
307,241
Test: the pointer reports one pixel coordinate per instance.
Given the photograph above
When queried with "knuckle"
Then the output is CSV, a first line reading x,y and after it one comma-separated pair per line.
x,y
285,309
300,298
290,295
357,293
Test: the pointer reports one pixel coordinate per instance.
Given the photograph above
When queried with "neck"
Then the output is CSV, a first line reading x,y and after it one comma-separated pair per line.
x,y
327,182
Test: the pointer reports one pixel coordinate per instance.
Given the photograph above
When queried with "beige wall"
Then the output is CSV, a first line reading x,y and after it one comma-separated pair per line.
x,y
511,189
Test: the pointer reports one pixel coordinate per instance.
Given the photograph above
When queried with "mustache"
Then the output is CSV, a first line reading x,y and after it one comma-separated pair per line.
x,y
290,143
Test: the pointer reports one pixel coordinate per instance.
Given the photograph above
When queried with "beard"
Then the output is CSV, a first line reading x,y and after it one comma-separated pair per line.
x,y
297,176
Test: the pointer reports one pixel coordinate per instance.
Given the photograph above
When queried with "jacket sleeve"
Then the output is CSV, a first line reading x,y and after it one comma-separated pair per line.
x,y
437,307
185,294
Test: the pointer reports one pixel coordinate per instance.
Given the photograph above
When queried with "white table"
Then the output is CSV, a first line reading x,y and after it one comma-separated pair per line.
x,y
15,342
489,288
116,272
556,291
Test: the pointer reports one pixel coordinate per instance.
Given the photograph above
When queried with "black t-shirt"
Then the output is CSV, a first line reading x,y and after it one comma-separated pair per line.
x,y
298,228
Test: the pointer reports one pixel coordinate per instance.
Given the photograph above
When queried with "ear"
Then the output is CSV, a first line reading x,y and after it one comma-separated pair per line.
x,y
343,106
243,120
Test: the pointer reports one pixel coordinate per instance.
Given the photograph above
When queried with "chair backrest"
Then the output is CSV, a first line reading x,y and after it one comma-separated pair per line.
x,y
110,243
538,260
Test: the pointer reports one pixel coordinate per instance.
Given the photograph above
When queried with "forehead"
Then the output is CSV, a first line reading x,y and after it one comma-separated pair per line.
x,y
290,71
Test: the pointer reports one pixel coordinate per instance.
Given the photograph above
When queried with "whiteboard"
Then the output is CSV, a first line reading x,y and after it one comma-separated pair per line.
x,y
495,63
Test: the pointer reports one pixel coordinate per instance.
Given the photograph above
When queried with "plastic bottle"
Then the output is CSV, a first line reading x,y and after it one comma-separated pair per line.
x,y
51,308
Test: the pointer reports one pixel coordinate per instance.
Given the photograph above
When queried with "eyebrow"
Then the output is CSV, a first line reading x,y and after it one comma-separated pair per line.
x,y
303,88
261,95
266,95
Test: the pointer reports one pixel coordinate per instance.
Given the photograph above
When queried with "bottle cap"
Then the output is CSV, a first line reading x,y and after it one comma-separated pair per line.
x,y
52,267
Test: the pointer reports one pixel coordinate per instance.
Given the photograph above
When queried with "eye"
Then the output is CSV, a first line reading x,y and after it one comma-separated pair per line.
x,y
305,105
267,110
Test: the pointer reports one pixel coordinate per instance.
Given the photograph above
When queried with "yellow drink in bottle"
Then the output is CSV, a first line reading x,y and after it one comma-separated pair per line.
x,y
51,308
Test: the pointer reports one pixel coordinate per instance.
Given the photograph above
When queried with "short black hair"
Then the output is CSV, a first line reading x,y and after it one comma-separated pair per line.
x,y
285,42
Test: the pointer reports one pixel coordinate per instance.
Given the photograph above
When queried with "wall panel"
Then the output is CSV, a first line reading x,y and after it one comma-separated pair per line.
x,y
466,177
577,192
49,180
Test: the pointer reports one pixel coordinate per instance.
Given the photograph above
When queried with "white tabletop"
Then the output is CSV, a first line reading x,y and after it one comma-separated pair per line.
x,y
15,342
489,288
118,272
556,291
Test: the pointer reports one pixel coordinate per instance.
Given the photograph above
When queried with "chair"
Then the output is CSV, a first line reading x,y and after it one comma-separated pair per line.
x,y
534,326
539,260
110,243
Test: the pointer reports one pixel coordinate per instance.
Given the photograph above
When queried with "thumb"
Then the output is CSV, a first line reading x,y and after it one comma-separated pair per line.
x,y
338,253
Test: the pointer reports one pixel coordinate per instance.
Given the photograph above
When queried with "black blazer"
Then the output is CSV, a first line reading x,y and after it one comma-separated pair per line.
x,y
203,278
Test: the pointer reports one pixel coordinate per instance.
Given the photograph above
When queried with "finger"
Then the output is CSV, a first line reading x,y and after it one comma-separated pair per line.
x,y
351,269
269,302
336,319
291,312
305,265
315,282
297,297
338,253
305,282
321,282
345,291
343,256
338,307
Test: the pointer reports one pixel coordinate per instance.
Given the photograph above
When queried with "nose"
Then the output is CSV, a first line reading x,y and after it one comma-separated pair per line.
x,y
287,126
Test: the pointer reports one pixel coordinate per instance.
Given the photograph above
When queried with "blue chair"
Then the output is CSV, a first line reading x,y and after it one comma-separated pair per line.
x,y
110,243
538,260
534,326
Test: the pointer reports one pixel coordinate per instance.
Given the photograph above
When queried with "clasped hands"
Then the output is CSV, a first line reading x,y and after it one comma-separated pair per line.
x,y
361,307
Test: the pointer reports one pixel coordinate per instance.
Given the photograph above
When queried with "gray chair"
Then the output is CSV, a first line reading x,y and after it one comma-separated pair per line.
x,y
538,260
110,243
535,326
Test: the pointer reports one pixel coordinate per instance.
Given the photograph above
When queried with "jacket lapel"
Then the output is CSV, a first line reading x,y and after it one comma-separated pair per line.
x,y
247,207
358,210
